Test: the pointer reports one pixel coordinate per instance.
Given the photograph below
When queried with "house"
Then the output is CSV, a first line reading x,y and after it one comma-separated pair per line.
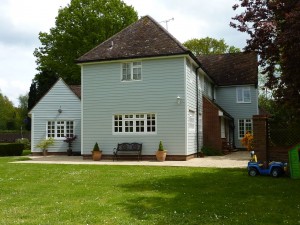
x,y
57,115
235,90
142,85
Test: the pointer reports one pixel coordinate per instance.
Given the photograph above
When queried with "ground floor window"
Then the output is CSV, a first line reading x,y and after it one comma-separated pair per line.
x,y
60,129
244,126
134,123
192,120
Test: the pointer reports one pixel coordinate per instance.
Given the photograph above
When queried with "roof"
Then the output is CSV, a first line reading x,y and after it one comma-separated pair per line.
x,y
144,38
76,90
231,68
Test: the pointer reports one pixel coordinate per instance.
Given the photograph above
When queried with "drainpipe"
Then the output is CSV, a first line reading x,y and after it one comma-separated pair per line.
x,y
197,110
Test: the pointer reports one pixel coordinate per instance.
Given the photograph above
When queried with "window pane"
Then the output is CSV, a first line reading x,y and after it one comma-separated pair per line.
x,y
191,121
239,93
126,73
118,123
69,129
247,97
51,129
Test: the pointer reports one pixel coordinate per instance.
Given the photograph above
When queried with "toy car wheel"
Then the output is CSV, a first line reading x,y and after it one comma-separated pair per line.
x,y
276,172
252,172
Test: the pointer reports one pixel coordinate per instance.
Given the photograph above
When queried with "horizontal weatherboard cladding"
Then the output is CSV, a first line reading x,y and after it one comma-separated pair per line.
x,y
226,98
106,95
59,96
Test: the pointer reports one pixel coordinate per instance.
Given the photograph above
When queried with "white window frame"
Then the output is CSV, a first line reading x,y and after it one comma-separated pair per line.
x,y
60,129
247,126
192,121
223,131
134,123
132,67
241,95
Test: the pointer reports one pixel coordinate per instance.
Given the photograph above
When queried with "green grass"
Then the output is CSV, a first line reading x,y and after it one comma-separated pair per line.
x,y
26,152
94,194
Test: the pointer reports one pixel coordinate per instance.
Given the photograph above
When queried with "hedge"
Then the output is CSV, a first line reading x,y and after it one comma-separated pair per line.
x,y
11,149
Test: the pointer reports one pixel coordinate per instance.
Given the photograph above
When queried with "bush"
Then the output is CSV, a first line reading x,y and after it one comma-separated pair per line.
x,y
209,151
25,142
11,149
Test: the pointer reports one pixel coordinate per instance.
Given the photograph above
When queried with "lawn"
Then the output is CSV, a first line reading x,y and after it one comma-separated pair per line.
x,y
94,194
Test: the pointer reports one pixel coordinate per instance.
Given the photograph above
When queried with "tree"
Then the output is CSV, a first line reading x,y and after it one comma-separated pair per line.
x,y
204,46
22,111
7,114
273,27
79,27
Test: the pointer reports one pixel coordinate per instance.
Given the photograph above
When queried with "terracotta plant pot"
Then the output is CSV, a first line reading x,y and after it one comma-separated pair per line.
x,y
161,155
96,155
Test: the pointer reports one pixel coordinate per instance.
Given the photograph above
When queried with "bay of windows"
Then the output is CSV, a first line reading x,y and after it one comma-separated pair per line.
x,y
135,123
60,129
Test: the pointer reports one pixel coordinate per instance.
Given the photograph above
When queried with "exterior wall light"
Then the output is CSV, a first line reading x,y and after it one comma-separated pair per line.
x,y
178,100
59,110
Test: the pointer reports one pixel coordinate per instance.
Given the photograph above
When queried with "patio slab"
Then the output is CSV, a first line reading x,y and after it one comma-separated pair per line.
x,y
237,159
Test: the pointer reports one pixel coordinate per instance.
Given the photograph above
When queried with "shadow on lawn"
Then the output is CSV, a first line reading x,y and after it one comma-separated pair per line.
x,y
210,196
195,198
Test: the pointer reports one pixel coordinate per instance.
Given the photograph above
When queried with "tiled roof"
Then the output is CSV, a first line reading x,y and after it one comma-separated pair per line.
x,y
144,38
231,68
76,89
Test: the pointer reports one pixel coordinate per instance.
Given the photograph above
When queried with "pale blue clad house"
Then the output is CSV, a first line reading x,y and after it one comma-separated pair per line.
x,y
142,85
57,115
235,88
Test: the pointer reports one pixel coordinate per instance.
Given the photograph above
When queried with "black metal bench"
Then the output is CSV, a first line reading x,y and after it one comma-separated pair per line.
x,y
128,149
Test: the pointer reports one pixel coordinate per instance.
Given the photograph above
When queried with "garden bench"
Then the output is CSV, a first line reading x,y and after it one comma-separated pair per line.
x,y
128,149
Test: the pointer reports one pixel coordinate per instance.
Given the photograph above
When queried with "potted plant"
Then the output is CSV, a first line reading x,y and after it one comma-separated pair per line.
x,y
161,153
96,153
70,140
44,144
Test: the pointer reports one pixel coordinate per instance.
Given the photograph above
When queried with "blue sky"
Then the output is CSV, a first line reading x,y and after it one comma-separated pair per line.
x,y
21,21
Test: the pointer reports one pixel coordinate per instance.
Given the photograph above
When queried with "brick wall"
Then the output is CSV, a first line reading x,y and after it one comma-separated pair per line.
x,y
262,148
211,125
260,137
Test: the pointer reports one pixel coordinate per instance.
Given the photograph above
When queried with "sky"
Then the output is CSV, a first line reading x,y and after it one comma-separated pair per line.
x,y
21,21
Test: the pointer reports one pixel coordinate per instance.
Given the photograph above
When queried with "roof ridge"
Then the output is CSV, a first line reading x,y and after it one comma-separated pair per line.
x,y
130,43
168,33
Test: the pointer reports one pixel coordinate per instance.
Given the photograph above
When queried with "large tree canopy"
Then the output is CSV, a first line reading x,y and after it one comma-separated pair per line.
x,y
79,27
204,46
273,27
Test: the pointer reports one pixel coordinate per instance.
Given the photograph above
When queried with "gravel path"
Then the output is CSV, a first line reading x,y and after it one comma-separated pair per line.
x,y
237,159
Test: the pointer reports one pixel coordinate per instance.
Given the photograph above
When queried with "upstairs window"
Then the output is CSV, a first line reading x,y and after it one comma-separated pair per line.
x,y
131,71
243,95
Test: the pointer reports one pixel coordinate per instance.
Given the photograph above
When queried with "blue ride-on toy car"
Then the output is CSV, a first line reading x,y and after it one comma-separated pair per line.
x,y
274,169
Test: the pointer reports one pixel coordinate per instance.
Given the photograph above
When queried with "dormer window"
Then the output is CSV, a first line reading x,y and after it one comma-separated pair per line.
x,y
131,71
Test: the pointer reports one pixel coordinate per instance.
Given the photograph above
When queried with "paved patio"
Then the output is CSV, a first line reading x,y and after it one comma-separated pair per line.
x,y
237,159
